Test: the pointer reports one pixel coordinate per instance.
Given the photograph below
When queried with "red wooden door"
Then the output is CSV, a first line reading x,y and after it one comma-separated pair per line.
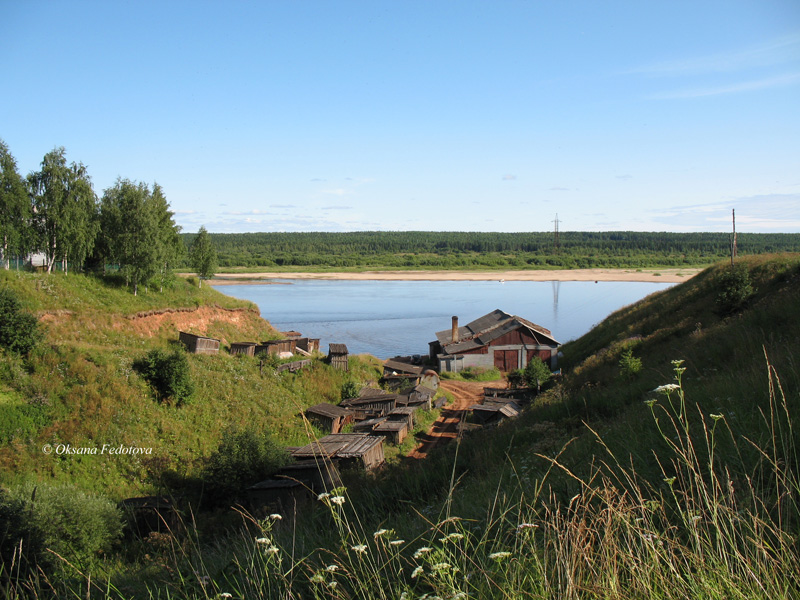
x,y
506,360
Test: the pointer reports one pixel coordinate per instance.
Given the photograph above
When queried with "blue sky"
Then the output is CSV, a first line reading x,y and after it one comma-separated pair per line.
x,y
435,115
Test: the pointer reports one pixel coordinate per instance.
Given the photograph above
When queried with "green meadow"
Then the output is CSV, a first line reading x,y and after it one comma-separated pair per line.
x,y
661,463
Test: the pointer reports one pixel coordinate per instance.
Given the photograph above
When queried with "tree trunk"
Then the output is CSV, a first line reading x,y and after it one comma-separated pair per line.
x,y
6,264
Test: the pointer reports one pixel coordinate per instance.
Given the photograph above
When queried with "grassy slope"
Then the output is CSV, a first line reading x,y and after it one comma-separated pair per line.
x,y
726,374
79,388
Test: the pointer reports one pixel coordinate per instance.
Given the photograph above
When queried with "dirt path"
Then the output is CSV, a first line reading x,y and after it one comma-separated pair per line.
x,y
446,427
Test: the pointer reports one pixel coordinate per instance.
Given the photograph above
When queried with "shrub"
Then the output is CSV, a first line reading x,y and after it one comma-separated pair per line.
x,y
19,329
536,373
350,389
77,525
629,365
168,373
244,457
735,289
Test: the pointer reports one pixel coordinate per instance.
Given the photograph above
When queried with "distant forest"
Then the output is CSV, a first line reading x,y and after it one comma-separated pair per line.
x,y
477,250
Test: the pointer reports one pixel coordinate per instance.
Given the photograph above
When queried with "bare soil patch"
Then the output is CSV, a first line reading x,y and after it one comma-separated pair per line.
x,y
446,427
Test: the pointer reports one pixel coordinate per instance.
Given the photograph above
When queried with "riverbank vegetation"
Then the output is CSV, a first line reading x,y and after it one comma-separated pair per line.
x,y
397,250
675,479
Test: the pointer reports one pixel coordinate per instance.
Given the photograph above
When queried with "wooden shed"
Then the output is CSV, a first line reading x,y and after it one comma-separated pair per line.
x,y
494,412
281,496
403,413
329,417
150,513
371,402
350,450
309,345
246,348
394,431
197,344
419,396
337,356
277,346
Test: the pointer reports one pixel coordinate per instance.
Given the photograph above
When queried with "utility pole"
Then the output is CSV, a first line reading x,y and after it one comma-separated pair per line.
x,y
556,242
733,237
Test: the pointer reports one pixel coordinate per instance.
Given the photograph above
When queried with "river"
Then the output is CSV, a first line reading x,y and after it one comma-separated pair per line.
x,y
390,318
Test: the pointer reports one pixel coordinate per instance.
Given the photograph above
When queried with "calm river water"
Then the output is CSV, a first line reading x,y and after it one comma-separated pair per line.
x,y
390,318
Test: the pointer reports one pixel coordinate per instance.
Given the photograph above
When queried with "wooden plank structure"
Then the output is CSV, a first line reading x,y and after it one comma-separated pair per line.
x,y
350,450
277,346
394,431
309,345
198,344
246,348
403,413
150,514
293,487
494,412
419,396
329,417
337,356
371,402
294,365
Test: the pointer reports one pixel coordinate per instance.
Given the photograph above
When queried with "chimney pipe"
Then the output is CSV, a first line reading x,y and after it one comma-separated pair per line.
x,y
455,329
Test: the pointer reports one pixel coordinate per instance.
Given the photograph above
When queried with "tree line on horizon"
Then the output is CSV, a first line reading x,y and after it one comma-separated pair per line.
x,y
454,250
55,211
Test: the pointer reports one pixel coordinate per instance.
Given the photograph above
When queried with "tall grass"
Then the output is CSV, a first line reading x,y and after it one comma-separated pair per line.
x,y
713,525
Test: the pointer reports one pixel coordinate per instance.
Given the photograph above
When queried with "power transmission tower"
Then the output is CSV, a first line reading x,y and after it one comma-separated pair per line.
x,y
556,242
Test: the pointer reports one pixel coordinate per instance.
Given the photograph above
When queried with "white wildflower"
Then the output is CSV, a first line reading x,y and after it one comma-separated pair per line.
x,y
452,536
417,572
275,517
380,532
523,526
443,566
323,496
360,548
499,555
332,584
225,595
332,568
421,551
272,550
338,500
667,388
262,540
397,542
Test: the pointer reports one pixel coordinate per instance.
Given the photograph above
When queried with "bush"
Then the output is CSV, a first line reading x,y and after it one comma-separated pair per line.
x,y
168,373
629,365
536,373
17,533
350,389
77,525
735,290
243,458
19,329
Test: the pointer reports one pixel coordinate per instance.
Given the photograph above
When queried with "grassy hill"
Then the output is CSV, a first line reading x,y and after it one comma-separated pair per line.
x,y
78,388
663,463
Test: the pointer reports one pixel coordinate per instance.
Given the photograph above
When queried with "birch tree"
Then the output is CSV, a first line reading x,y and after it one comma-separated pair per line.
x,y
15,209
65,208
203,256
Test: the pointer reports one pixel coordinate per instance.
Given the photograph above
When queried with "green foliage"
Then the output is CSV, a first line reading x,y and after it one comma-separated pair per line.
x,y
735,289
78,526
536,373
244,457
629,365
350,389
19,329
203,256
474,374
483,250
16,233
168,373
65,208
17,532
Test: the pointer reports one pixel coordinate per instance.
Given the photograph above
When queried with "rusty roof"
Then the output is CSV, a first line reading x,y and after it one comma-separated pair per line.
x,y
487,328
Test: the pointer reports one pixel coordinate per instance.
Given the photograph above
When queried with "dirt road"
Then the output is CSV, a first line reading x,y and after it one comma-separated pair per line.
x,y
446,427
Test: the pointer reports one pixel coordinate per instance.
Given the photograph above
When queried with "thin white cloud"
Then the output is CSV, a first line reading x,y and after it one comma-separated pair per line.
x,y
734,88
336,192
782,50
509,177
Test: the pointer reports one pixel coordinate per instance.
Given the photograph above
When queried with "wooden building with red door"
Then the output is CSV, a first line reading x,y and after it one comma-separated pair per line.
x,y
498,339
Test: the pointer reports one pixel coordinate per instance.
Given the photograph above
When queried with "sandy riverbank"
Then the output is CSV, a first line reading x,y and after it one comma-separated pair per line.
x,y
659,275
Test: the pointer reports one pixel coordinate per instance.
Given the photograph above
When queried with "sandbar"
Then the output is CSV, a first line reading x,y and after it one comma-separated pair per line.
x,y
654,275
